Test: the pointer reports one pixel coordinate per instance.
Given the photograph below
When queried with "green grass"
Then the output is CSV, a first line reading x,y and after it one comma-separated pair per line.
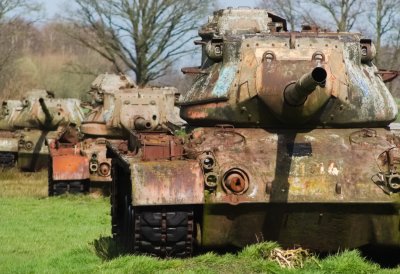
x,y
50,234
71,234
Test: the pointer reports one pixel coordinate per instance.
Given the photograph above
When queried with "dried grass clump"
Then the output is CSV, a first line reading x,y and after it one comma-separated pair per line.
x,y
290,258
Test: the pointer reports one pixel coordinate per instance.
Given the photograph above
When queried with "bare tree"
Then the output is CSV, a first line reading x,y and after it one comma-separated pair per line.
x,y
12,27
343,12
395,47
11,24
144,36
16,8
289,9
384,18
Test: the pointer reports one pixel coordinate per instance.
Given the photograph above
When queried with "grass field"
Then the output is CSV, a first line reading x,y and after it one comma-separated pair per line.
x,y
71,234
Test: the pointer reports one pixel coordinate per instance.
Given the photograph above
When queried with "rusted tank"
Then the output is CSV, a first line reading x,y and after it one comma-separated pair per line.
x,y
289,142
25,124
78,159
118,107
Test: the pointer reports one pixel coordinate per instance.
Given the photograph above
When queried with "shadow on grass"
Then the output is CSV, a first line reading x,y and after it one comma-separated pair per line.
x,y
385,256
107,248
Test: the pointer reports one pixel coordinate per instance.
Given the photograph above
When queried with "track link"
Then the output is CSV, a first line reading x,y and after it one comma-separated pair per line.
x,y
63,187
164,232
158,231
7,159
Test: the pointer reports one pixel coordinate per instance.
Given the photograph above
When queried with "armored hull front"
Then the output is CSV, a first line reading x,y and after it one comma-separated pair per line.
x,y
295,187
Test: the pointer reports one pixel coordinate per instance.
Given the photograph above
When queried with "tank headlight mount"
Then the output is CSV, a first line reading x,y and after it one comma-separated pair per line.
x,y
394,182
235,181
93,166
207,161
28,145
211,179
104,169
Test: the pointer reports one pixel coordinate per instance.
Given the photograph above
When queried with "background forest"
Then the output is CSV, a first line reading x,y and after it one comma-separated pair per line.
x,y
152,40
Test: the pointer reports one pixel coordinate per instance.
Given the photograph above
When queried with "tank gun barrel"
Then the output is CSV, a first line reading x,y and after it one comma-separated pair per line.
x,y
295,94
141,123
46,111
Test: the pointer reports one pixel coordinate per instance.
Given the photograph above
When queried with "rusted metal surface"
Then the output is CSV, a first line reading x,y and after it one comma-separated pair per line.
x,y
140,109
102,90
32,150
32,114
273,185
84,160
8,142
30,121
70,167
233,21
293,166
193,70
320,226
258,67
123,108
388,75
44,113
156,146
166,182
119,110
100,130
282,154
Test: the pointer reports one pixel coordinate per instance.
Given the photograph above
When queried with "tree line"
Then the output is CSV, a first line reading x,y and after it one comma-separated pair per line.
x,y
148,38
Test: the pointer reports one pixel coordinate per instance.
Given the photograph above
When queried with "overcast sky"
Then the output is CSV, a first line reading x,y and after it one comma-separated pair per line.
x,y
54,7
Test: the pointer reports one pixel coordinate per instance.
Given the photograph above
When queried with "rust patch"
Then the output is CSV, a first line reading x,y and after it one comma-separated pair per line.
x,y
157,146
167,182
388,75
70,167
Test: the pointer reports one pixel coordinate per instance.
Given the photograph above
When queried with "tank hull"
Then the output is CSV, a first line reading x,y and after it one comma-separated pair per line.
x,y
317,226
84,163
317,188
25,149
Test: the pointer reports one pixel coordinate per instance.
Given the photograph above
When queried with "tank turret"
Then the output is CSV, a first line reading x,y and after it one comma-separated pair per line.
x,y
26,123
254,73
102,90
46,113
38,112
137,109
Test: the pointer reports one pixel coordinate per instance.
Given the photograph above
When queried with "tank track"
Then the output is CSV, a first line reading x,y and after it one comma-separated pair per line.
x,y
7,159
63,187
161,231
